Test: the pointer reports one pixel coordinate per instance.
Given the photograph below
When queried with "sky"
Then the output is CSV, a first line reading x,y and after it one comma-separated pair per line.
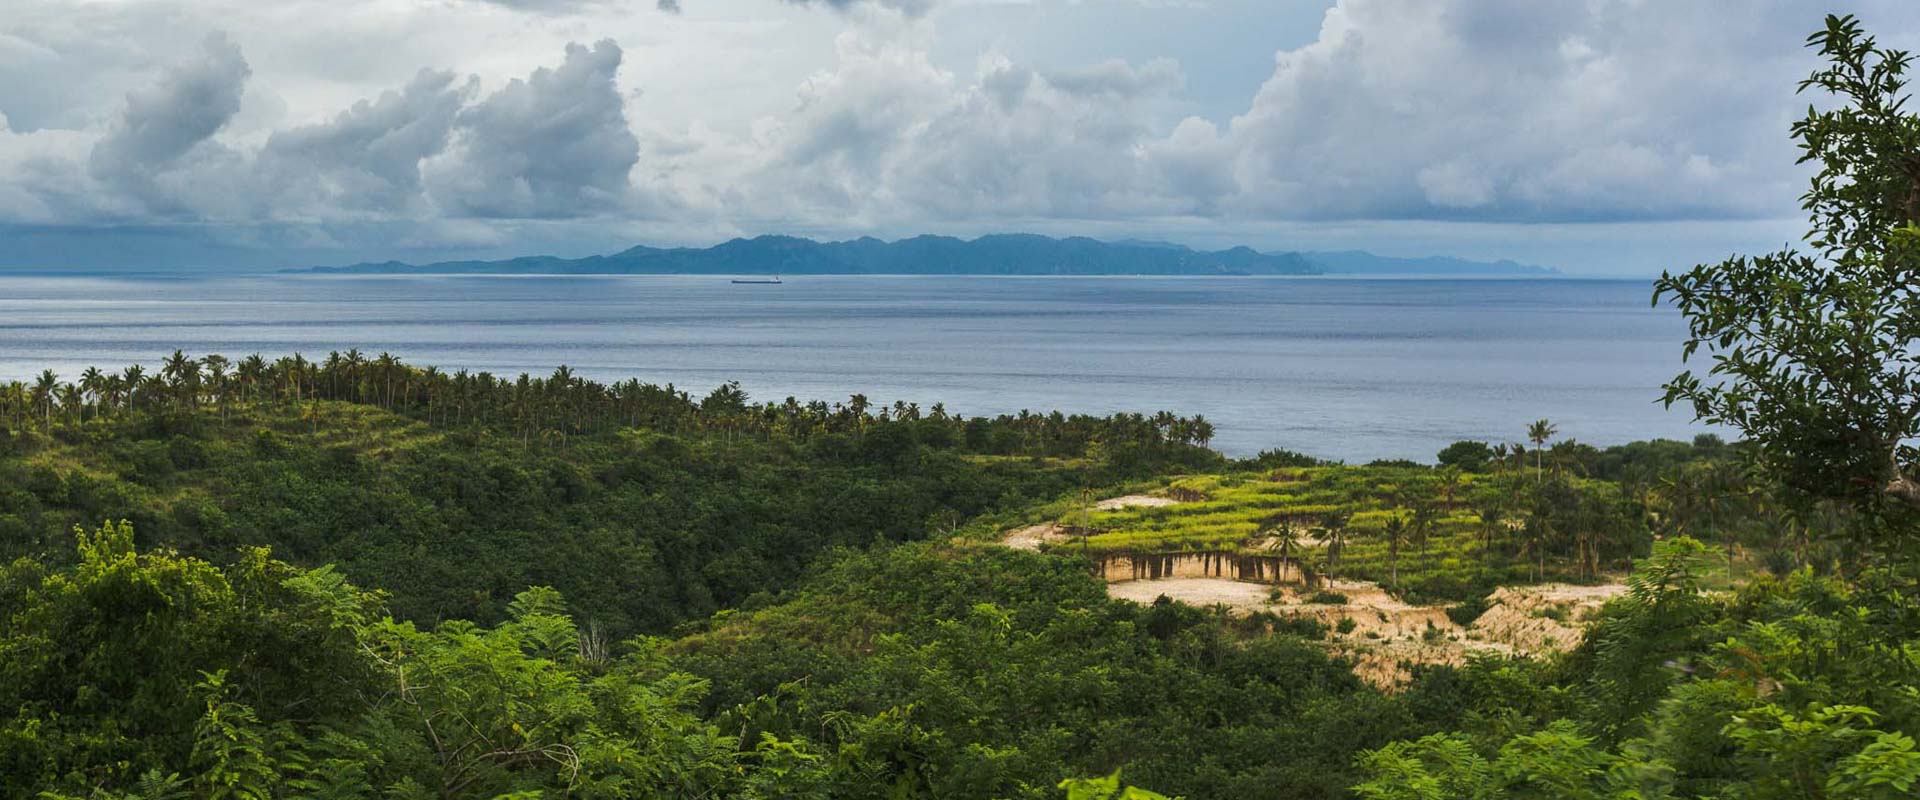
x,y
1603,137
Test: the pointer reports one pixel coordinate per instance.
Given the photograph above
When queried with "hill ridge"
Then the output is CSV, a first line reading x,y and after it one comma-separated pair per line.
x,y
930,254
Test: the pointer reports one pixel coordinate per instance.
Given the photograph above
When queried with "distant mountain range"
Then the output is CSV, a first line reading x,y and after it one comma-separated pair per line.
x,y
1360,262
1002,254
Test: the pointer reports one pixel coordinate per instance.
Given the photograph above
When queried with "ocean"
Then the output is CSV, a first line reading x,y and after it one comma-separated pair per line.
x,y
1346,368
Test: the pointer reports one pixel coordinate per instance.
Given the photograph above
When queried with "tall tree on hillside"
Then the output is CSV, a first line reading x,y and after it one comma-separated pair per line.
x,y
44,388
1282,533
1813,348
134,377
71,402
1394,532
1535,534
216,365
1420,527
1451,480
1540,432
1492,519
93,384
1333,530
250,372
13,401
1202,431
183,378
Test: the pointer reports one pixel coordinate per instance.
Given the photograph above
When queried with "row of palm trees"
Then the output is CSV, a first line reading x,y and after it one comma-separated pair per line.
x,y
532,407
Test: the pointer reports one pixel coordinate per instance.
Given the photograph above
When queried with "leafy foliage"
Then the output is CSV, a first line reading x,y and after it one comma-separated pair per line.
x,y
1812,355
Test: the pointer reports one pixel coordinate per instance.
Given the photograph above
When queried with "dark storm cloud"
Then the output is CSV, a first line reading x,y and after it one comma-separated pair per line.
x,y
170,125
554,145
367,157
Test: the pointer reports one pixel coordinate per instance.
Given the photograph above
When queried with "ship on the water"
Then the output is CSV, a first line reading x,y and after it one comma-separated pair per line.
x,y
773,280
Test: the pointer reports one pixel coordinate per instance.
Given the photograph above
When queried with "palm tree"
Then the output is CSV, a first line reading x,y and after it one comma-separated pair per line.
x,y
351,363
116,392
133,379
1282,534
1540,432
1420,527
1450,481
430,394
301,379
217,380
331,367
13,401
251,371
70,402
1535,533
1395,532
93,383
183,377
1501,452
43,389
1333,529
1492,522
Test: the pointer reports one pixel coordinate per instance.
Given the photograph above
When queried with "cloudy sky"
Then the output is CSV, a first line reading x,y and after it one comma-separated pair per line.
x,y
1601,136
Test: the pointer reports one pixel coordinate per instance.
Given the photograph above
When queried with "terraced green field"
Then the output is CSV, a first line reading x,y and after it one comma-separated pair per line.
x,y
1445,545
1236,509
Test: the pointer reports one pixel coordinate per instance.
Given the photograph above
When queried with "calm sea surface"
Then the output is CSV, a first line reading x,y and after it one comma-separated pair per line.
x,y
1344,368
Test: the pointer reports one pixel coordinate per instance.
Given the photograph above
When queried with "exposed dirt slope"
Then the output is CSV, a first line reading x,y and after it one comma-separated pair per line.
x,y
1386,636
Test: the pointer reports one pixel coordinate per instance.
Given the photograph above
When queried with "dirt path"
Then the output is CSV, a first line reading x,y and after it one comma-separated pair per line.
x,y
1134,501
1032,536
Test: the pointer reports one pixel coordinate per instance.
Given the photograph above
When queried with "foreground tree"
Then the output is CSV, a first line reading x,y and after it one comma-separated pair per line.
x,y
1813,349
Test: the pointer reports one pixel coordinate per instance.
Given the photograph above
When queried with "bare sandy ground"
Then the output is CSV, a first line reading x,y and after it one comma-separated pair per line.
x,y
1032,536
1238,595
1134,500
1386,636
1543,618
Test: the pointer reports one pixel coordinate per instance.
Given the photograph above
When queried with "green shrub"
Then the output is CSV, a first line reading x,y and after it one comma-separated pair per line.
x,y
1466,612
1302,626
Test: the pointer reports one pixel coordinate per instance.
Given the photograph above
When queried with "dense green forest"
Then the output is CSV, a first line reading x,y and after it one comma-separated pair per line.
x,y
363,578
454,492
